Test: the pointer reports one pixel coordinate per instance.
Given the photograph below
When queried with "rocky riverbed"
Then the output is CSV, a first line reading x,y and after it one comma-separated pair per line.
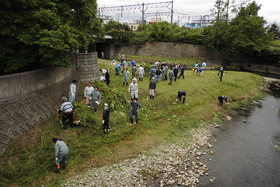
x,y
175,164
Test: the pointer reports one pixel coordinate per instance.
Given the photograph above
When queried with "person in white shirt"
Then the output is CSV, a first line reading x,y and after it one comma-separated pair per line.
x,y
72,91
87,93
113,62
133,88
141,73
204,64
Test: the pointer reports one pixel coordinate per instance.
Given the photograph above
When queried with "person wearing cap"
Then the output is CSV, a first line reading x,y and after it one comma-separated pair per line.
x,y
133,89
141,73
181,95
87,93
105,121
96,98
152,88
61,153
152,73
67,111
222,99
125,77
72,91
135,106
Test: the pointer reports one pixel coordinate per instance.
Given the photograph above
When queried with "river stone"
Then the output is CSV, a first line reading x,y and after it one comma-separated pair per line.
x,y
229,118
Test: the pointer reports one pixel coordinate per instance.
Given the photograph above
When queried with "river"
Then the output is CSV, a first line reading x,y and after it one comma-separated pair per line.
x,y
247,148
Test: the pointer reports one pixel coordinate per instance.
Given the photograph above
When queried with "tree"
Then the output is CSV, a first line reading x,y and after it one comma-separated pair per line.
x,y
275,31
45,32
116,25
242,37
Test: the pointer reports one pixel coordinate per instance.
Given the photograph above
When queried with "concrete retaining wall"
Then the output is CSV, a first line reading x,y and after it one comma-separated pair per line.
x,y
86,65
168,49
30,98
264,70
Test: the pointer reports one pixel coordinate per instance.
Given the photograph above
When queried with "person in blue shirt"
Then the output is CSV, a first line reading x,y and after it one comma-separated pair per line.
x,y
153,73
133,63
118,69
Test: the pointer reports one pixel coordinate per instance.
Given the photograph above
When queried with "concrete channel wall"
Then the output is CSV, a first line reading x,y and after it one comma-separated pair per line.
x,y
29,99
168,49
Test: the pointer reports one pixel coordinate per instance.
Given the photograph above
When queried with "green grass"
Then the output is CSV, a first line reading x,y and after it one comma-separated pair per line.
x,y
29,161
275,45
152,59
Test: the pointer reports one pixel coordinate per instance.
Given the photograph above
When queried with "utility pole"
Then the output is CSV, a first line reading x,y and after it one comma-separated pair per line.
x,y
122,11
143,12
227,9
172,12
156,17
99,12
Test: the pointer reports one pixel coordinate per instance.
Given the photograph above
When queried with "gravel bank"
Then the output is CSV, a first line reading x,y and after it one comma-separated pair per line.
x,y
169,165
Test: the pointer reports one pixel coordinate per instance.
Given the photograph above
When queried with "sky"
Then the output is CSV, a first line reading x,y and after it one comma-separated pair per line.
x,y
270,9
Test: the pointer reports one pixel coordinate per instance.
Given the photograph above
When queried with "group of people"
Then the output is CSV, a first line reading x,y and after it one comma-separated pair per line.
x,y
160,71
105,76
199,68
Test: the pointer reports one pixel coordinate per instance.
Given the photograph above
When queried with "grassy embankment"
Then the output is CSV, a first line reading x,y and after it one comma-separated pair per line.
x,y
29,160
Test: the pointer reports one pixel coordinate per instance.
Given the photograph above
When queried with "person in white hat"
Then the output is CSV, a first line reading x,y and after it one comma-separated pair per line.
x,y
133,89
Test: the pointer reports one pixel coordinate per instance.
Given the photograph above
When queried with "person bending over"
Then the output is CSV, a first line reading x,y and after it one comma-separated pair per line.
x,y
61,153
222,99
181,96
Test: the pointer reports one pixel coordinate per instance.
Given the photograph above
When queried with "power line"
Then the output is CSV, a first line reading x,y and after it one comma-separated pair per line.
x,y
142,7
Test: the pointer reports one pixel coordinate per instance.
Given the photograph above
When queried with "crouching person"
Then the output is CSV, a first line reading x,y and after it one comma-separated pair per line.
x,y
181,96
61,153
67,112
222,99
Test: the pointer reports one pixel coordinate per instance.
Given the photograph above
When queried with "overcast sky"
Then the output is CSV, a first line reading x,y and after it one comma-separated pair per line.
x,y
270,9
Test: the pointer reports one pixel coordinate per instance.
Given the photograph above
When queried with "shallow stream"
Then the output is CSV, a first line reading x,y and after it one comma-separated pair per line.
x,y
247,148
